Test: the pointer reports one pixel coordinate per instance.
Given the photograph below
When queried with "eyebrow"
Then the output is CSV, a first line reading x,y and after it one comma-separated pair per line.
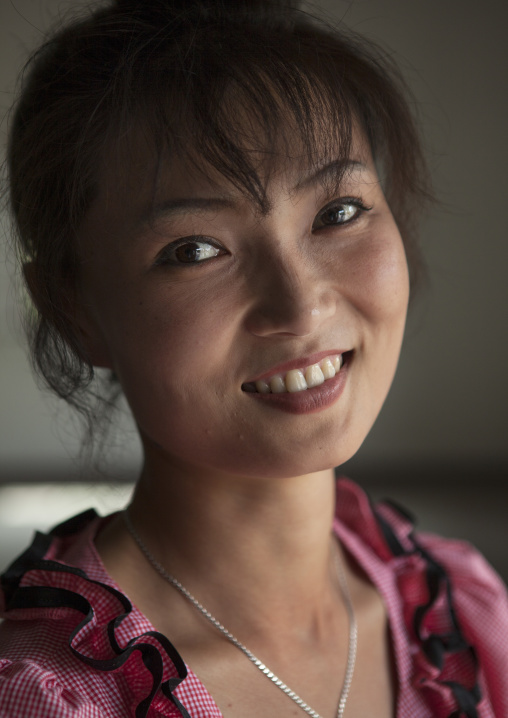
x,y
331,172
184,205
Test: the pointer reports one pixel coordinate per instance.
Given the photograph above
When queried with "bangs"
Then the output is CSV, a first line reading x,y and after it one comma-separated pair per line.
x,y
235,103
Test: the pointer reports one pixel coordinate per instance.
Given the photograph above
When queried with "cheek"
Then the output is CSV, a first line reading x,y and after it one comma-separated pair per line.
x,y
378,289
165,340
379,281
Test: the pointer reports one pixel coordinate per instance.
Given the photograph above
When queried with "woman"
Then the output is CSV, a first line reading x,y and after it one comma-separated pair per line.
x,y
216,207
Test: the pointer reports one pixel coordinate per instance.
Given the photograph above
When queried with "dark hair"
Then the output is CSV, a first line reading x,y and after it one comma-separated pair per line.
x,y
177,70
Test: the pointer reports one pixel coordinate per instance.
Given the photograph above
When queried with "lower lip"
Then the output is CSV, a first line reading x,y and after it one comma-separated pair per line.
x,y
308,401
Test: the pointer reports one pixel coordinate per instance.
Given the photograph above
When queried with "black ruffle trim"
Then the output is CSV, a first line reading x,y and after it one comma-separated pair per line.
x,y
436,646
23,597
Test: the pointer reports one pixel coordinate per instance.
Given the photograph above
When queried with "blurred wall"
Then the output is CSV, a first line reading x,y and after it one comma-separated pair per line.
x,y
448,408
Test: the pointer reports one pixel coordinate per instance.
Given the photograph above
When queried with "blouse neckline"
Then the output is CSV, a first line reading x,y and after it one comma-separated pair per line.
x,y
436,669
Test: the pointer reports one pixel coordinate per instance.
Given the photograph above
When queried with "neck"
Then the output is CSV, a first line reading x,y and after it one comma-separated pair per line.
x,y
267,540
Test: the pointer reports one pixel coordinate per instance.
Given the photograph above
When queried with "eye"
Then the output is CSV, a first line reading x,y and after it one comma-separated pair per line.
x,y
190,250
340,212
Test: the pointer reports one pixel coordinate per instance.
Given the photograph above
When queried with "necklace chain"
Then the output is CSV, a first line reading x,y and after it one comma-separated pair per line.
x,y
353,628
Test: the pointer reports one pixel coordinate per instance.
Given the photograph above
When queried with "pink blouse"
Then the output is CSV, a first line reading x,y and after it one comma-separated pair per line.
x,y
72,645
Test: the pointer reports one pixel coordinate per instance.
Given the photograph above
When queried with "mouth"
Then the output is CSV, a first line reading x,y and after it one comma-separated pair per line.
x,y
300,379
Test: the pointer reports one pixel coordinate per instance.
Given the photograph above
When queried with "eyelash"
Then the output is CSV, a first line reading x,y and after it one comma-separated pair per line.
x,y
164,260
343,202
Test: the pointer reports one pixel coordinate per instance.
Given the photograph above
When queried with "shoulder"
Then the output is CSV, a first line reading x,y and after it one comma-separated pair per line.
x,y
480,596
388,530
480,601
28,689
30,682
452,603
40,676
474,582
72,644
53,614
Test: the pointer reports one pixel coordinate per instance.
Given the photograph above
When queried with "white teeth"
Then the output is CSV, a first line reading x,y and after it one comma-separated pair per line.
x,y
337,362
314,376
295,381
277,384
299,380
327,368
262,387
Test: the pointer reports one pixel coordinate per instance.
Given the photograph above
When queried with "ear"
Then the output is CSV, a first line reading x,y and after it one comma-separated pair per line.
x,y
94,346
69,317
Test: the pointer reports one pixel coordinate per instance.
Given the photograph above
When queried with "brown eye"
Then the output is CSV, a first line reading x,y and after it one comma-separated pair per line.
x,y
338,213
189,251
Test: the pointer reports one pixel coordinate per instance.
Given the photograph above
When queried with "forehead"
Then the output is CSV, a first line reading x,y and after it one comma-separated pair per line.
x,y
246,130
144,172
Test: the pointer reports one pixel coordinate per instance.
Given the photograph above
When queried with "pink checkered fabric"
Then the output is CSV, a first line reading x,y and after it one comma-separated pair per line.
x,y
73,646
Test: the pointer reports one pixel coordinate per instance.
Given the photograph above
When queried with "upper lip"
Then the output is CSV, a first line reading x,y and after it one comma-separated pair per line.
x,y
300,363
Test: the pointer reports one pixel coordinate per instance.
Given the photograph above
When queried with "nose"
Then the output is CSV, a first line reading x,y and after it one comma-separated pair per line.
x,y
290,297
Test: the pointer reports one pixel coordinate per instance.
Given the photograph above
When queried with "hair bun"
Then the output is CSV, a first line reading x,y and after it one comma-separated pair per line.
x,y
218,8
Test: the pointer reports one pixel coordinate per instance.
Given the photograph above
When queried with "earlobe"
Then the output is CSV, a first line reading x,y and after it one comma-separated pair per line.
x,y
89,333
91,339
69,317
29,274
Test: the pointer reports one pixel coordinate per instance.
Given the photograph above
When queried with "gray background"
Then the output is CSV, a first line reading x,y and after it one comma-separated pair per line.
x,y
440,444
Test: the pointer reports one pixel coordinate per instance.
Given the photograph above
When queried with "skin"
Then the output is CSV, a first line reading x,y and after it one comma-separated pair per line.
x,y
235,497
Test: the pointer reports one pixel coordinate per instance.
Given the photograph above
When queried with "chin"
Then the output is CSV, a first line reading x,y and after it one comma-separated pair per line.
x,y
300,463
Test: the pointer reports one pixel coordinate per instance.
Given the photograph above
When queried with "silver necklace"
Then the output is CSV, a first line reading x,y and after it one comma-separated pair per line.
x,y
353,628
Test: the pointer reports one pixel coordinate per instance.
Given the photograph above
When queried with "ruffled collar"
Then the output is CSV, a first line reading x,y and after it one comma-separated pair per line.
x,y
443,666
110,634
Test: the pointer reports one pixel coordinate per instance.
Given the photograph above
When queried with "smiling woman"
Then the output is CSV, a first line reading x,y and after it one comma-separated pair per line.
x,y
285,286
221,214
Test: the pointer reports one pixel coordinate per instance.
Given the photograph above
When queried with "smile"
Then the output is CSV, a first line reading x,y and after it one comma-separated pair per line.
x,y
297,380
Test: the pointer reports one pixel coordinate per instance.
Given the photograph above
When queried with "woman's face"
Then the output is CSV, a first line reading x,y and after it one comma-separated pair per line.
x,y
194,297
